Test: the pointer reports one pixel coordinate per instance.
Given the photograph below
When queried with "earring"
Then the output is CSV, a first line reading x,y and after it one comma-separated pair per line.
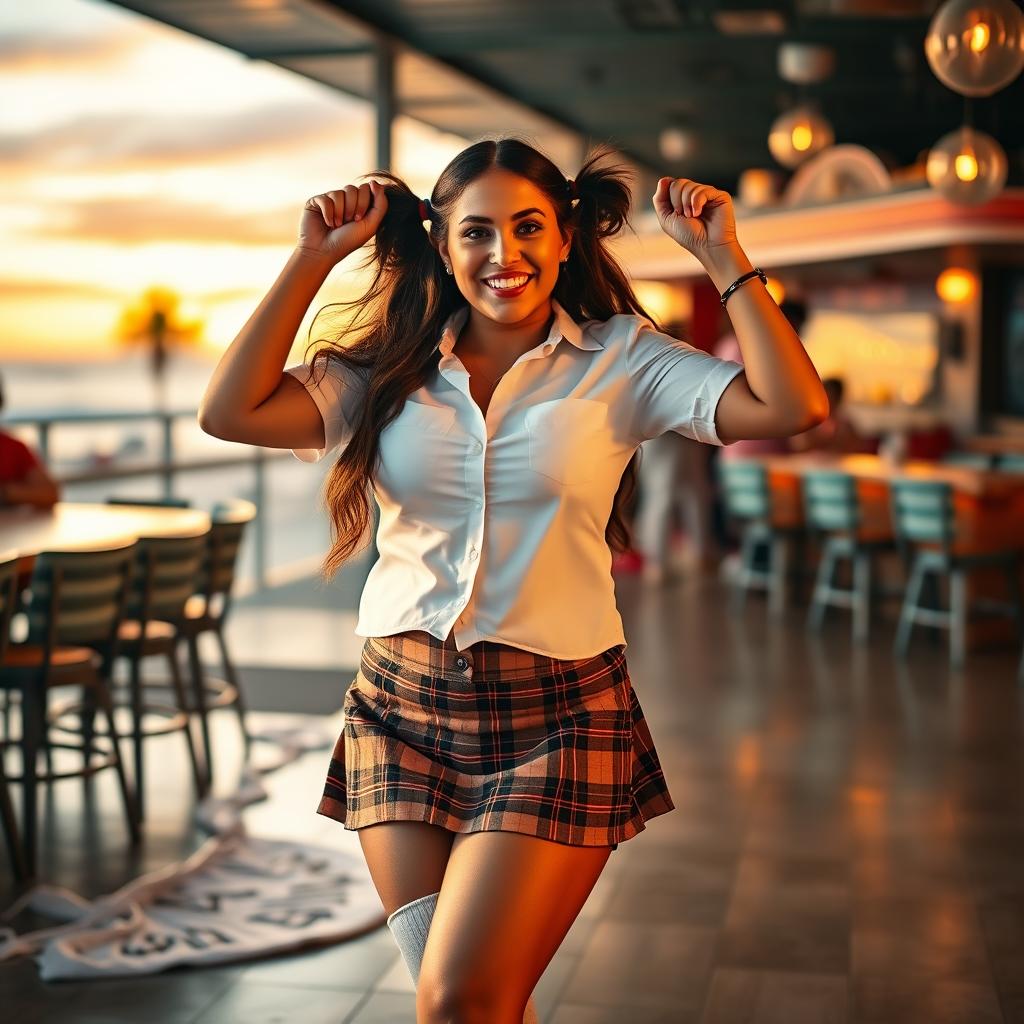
x,y
446,267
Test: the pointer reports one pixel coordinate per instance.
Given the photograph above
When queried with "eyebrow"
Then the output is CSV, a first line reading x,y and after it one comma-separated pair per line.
x,y
515,216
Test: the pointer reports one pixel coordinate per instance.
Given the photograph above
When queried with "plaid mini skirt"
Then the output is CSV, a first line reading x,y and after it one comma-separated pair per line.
x,y
494,738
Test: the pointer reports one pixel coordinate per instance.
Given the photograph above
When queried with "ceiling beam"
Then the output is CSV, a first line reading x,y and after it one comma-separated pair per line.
x,y
444,43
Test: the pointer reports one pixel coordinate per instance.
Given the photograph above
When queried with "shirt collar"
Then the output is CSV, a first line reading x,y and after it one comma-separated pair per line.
x,y
563,326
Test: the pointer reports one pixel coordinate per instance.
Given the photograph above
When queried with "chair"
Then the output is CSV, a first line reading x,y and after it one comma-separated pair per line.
x,y
832,508
207,612
972,460
746,497
924,519
8,603
166,569
1010,462
74,613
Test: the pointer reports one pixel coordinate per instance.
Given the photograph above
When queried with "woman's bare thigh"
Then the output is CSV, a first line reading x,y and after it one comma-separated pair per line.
x,y
506,904
407,859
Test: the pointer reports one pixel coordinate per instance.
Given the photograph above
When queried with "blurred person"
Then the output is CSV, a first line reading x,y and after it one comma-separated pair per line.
x,y
23,477
491,394
674,478
835,434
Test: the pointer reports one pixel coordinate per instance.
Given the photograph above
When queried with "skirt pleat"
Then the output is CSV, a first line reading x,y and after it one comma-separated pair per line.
x,y
494,738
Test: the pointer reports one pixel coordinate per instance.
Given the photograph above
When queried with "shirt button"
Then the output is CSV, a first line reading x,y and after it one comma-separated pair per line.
x,y
461,663
477,446
473,555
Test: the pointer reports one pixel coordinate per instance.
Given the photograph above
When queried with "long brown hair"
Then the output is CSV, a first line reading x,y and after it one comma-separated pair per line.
x,y
391,337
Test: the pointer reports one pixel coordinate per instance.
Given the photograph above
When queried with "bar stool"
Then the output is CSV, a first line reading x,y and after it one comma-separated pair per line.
x,y
832,507
924,519
207,611
746,497
76,607
8,603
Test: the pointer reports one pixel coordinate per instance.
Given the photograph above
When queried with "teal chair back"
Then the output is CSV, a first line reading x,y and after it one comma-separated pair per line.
x,y
830,500
745,491
78,598
922,512
973,460
1010,463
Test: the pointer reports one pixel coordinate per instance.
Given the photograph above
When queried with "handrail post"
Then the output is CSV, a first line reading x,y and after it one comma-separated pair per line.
x,y
168,473
259,524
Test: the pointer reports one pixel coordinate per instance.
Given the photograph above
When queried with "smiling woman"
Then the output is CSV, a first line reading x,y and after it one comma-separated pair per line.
x,y
494,752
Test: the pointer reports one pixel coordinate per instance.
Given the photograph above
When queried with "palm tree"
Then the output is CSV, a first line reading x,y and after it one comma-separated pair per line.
x,y
155,319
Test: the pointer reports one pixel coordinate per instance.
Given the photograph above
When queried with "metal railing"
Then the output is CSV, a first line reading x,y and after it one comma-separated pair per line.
x,y
166,469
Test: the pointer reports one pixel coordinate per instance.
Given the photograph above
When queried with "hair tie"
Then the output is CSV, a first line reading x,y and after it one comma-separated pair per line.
x,y
426,210
571,185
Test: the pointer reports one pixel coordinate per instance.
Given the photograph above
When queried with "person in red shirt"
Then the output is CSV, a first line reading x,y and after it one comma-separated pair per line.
x,y
23,477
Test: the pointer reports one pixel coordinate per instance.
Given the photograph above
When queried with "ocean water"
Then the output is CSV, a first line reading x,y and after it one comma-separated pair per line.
x,y
296,526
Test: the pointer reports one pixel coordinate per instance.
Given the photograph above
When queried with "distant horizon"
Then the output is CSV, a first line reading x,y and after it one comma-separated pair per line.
x,y
120,175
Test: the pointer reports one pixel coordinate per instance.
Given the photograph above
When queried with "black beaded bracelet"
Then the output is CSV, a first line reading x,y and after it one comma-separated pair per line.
x,y
756,272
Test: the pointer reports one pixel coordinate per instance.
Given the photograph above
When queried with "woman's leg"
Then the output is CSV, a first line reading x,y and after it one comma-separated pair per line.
x,y
506,903
407,859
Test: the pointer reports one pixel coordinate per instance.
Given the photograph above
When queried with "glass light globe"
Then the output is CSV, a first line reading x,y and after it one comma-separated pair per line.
x,y
975,47
675,143
967,166
797,135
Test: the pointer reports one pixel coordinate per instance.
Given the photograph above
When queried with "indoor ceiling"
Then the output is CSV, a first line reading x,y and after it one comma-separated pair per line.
x,y
573,72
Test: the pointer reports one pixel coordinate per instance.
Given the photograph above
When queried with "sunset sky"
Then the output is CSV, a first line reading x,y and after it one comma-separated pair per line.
x,y
133,155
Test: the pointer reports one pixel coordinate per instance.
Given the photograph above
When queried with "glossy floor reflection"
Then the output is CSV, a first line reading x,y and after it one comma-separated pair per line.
x,y
847,844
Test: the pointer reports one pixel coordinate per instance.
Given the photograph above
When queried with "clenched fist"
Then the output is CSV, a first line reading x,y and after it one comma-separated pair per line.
x,y
699,217
337,223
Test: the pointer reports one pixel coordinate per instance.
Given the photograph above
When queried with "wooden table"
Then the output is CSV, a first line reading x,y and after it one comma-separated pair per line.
x,y
87,526
988,505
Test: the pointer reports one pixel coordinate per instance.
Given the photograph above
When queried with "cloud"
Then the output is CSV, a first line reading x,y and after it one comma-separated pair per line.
x,y
134,142
48,289
38,51
138,221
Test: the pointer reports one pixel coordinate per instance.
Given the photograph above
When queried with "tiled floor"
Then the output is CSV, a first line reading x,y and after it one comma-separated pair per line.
x,y
847,844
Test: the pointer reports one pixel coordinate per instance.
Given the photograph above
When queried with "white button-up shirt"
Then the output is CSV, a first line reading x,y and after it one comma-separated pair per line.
x,y
496,525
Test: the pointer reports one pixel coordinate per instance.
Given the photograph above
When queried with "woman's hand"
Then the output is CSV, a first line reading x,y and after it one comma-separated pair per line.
x,y
699,217
337,223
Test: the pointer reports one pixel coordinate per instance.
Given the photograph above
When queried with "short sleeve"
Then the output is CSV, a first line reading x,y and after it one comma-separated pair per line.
x,y
675,386
337,389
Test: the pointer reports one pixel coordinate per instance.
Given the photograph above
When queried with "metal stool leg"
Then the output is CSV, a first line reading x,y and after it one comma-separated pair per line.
x,y
199,692
33,724
822,585
137,735
10,825
910,599
232,677
779,568
131,807
861,595
958,617
198,771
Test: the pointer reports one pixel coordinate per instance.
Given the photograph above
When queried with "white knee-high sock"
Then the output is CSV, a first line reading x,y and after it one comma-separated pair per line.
x,y
410,924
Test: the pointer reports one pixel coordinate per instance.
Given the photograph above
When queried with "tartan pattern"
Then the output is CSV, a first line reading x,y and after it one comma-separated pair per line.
x,y
514,741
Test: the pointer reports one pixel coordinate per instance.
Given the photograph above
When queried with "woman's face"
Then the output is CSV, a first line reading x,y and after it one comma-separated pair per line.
x,y
504,227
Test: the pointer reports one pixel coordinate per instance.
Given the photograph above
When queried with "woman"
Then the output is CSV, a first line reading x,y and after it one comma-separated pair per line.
x,y
495,394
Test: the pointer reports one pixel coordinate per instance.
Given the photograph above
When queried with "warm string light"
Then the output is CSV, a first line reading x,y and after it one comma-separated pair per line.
x,y
955,285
